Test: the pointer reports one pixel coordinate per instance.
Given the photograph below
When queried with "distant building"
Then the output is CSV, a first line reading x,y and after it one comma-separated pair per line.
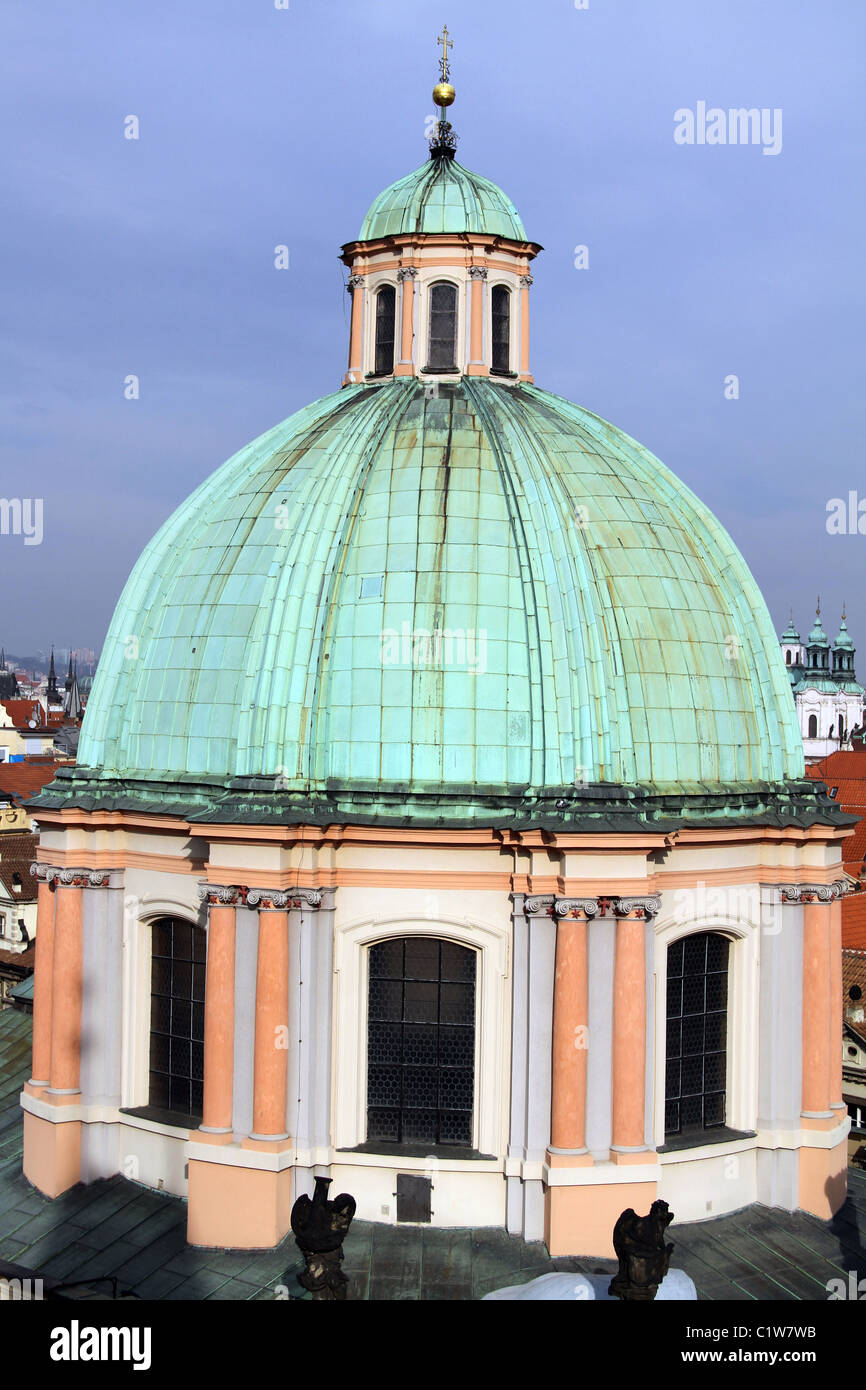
x,y
844,773
854,1044
830,701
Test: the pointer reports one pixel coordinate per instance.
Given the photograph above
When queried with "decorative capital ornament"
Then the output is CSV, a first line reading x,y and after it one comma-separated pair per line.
x,y
407,272
539,905
650,906
70,878
478,272
267,899
216,895
563,907
354,282
814,892
525,281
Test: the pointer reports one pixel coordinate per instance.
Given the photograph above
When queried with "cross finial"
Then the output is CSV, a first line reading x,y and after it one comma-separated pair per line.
x,y
445,43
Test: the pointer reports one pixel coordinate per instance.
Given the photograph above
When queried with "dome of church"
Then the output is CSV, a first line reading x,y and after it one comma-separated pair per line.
x,y
485,591
843,641
442,196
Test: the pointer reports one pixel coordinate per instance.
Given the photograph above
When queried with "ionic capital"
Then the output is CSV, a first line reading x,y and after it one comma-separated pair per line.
x,y
564,907
650,906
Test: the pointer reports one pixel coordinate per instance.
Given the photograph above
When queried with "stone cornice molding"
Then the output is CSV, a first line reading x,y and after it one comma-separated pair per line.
x,y
70,878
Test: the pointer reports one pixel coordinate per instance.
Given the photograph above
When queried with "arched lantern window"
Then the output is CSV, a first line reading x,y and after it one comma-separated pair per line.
x,y
501,324
385,318
813,726
442,354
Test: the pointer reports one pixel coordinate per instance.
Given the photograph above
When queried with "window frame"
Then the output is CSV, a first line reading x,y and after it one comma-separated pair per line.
x,y
501,285
490,1123
742,1071
456,366
381,288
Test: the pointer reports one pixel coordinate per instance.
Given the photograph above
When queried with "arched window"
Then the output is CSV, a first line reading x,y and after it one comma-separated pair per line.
x,y
385,310
697,1033
788,657
177,978
442,355
501,316
813,726
841,728
421,1042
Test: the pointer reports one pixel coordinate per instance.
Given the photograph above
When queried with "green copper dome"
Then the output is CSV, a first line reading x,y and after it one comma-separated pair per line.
x,y
442,196
843,641
487,592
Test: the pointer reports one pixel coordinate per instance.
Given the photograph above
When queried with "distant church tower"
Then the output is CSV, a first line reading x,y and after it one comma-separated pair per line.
x,y
831,703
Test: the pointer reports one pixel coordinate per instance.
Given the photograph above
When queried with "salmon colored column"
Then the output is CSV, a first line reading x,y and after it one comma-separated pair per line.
x,y
629,1027
525,282
43,984
477,276
355,287
272,1021
66,993
407,276
817,1011
836,1003
219,1013
570,1027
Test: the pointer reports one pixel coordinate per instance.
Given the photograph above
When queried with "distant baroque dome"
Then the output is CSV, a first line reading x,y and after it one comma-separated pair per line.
x,y
485,591
442,196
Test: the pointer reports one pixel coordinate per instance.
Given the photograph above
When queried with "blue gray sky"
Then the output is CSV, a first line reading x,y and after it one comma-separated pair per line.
x,y
262,126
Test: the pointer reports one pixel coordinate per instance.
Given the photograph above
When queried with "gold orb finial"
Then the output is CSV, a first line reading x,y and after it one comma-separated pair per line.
x,y
443,94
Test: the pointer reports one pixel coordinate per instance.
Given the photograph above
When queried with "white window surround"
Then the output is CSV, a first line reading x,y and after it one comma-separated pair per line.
x,y
492,1021
741,1108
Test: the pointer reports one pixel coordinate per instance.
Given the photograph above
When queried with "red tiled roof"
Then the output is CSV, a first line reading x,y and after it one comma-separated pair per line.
x,y
22,780
854,981
21,712
17,853
23,958
854,922
845,770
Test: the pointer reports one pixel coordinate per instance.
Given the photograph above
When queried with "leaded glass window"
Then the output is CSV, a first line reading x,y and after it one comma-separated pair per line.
x,y
385,312
421,1042
177,976
697,1033
501,315
442,356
